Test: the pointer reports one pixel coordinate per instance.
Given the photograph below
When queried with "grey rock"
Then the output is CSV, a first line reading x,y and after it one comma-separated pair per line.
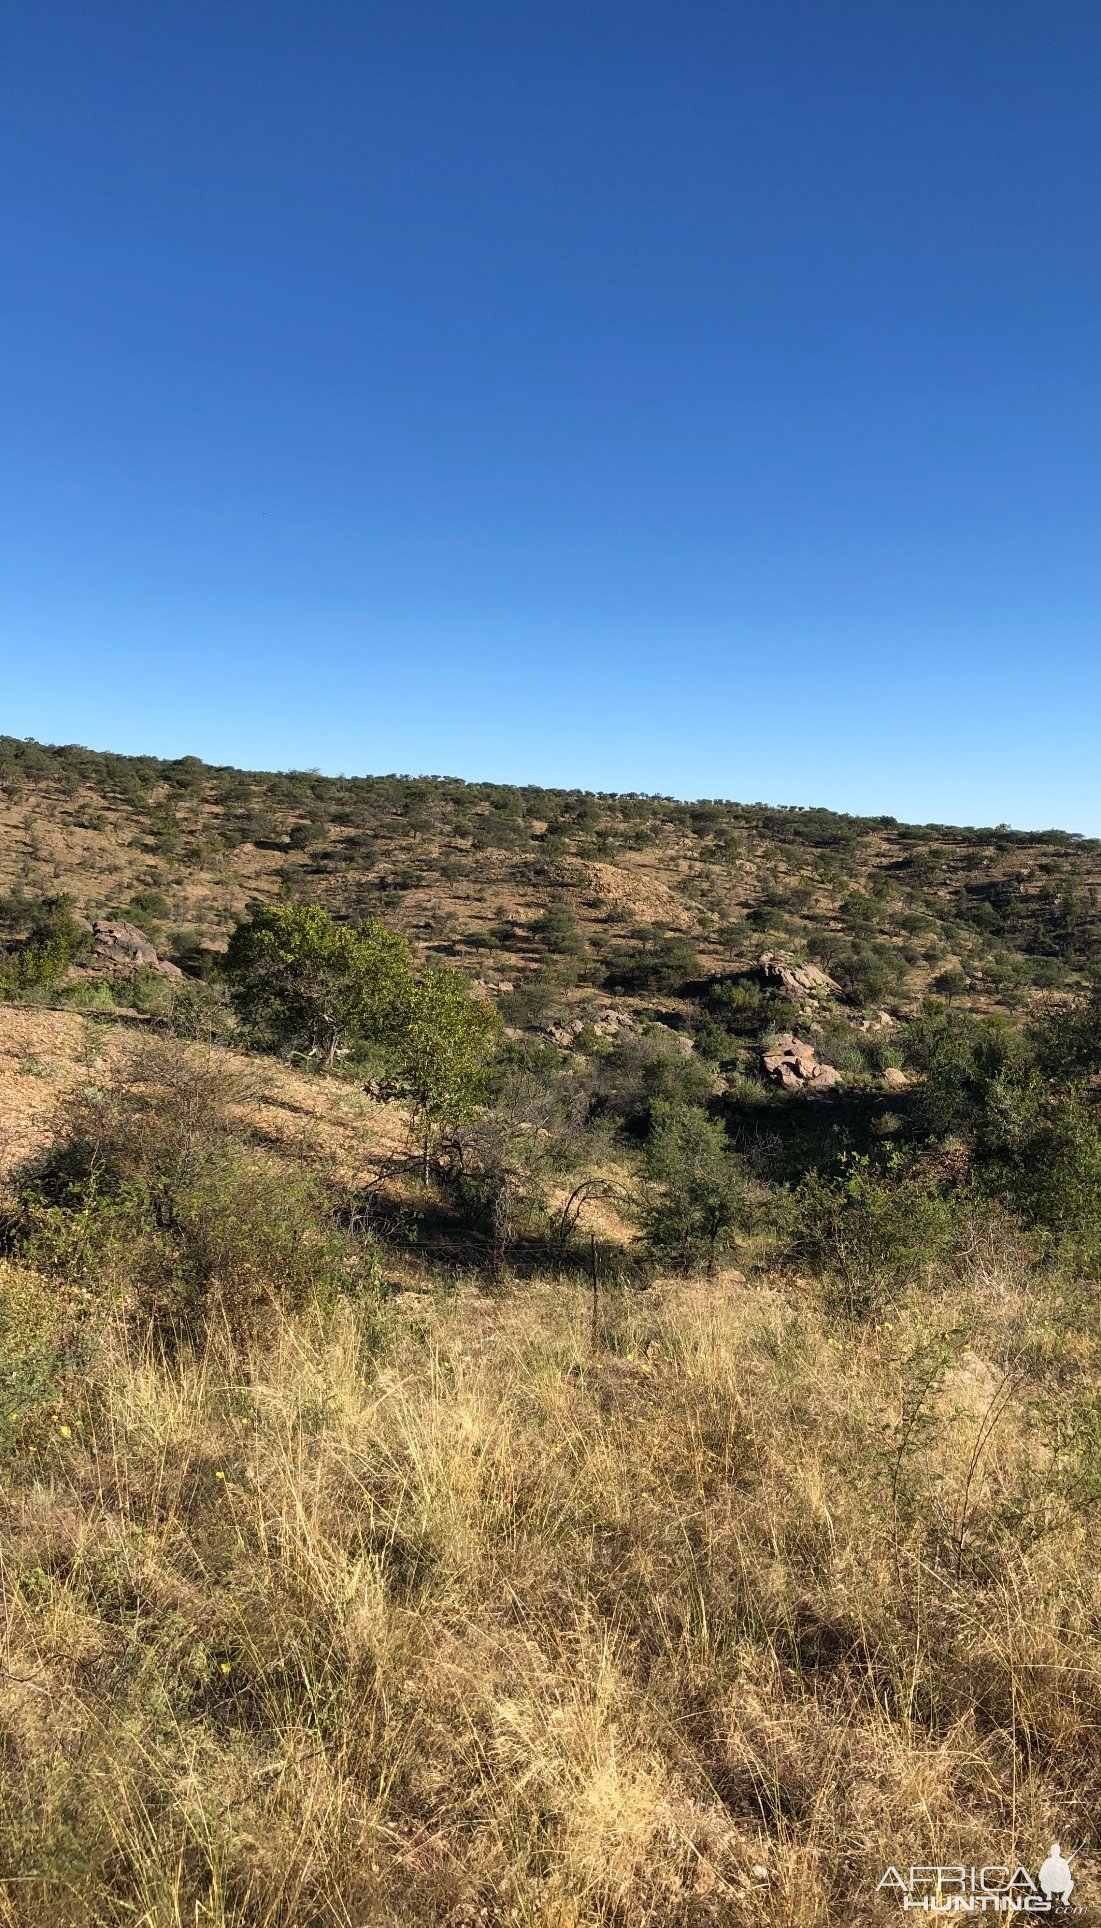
x,y
794,980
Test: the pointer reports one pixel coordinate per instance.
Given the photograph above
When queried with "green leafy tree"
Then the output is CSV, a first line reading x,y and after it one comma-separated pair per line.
x,y
876,1224
975,1072
693,1189
863,976
56,941
1055,1175
661,965
316,986
1068,1038
441,1054
557,931
950,984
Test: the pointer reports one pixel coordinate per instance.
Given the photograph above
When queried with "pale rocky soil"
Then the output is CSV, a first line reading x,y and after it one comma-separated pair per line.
x,y
332,1126
45,1055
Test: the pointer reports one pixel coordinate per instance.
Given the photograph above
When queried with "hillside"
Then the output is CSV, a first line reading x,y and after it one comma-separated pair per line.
x,y
610,1437
683,1605
471,873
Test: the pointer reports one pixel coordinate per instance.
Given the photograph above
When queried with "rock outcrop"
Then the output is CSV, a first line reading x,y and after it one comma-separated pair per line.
x,y
118,950
794,980
606,1024
796,1066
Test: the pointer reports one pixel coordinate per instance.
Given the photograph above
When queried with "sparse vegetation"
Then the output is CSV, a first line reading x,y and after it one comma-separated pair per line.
x,y
479,1450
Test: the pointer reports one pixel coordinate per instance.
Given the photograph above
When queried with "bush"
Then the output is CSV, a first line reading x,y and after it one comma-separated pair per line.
x,y
1052,1175
151,1199
662,966
626,1082
973,1072
534,1003
693,1189
201,1009
311,985
499,1162
743,1007
441,1053
56,941
878,1225
31,1349
147,909
1068,1039
557,932
307,836
863,976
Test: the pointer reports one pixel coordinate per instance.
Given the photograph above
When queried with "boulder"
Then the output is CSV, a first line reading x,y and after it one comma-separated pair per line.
x,y
794,980
896,1079
605,1024
121,949
795,1065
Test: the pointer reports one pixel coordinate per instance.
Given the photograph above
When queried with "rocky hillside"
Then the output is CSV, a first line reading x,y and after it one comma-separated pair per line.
x,y
551,896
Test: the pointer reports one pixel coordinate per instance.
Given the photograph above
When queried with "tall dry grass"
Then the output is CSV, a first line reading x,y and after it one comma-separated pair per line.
x,y
480,1621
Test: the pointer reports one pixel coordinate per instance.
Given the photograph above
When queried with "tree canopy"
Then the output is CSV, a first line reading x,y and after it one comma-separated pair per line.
x,y
316,986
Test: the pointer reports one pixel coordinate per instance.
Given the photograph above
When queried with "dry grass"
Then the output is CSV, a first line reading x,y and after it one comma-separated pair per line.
x,y
46,1056
63,835
705,1623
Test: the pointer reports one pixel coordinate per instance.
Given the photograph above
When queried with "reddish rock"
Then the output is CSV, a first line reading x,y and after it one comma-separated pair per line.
x,y
793,1063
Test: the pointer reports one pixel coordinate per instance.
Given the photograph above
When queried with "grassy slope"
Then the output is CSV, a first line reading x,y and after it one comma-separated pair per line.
x,y
465,870
702,1612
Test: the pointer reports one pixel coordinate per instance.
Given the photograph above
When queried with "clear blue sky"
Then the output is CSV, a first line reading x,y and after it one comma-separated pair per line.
x,y
701,398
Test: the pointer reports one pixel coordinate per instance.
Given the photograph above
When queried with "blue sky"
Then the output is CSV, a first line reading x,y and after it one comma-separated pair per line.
x,y
699,399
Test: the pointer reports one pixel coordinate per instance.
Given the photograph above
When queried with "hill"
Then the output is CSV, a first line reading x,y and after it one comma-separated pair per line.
x,y
614,1444
473,873
686,1601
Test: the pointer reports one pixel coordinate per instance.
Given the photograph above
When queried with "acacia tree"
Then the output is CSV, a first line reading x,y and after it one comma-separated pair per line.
x,y
316,986
441,1051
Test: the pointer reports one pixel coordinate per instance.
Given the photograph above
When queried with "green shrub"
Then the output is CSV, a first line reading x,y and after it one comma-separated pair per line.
x,y
692,1194
1052,1174
147,909
1067,1039
556,931
640,1071
56,941
863,976
664,965
150,1199
31,1350
879,1225
201,1009
742,1007
311,985
440,1053
973,1069
535,1002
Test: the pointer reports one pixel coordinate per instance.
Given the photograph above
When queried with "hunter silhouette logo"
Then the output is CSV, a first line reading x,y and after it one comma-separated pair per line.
x,y
994,1888
1055,1876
